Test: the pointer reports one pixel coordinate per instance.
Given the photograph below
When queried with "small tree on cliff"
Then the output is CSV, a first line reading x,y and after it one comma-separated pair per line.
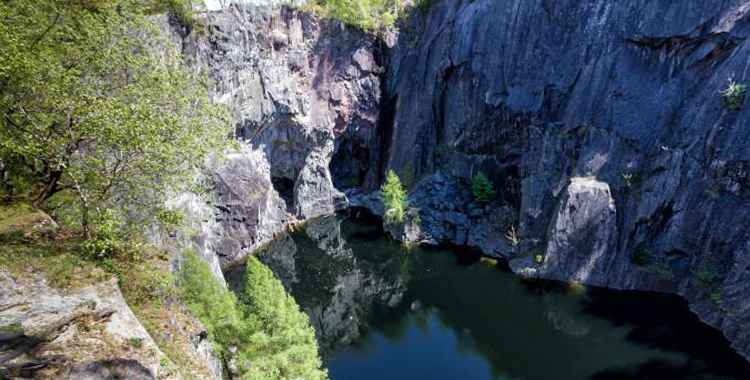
x,y
482,188
394,198
94,102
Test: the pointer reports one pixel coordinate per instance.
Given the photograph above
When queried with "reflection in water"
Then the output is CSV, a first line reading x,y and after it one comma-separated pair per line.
x,y
383,313
335,288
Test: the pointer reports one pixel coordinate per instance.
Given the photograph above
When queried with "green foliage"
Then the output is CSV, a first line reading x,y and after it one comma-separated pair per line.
x,y
135,342
631,180
482,188
364,14
642,256
394,199
717,297
706,276
94,101
181,9
170,218
108,239
283,344
424,5
213,304
274,339
734,95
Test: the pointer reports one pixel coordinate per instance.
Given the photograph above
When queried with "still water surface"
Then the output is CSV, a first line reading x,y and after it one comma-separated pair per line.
x,y
384,313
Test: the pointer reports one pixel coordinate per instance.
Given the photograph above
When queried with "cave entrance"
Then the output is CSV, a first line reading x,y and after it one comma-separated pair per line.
x,y
285,187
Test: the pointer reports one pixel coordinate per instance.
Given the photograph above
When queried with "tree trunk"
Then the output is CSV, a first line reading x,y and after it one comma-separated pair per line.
x,y
51,186
85,222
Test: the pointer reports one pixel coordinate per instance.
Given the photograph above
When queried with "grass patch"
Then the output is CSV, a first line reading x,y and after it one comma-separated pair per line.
x,y
135,342
59,260
22,217
143,274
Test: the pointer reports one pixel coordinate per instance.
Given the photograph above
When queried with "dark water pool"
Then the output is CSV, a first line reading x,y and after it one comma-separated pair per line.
x,y
385,313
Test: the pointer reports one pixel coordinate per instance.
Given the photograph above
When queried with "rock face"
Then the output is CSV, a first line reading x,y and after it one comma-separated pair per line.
x,y
305,98
600,123
538,94
87,333
581,236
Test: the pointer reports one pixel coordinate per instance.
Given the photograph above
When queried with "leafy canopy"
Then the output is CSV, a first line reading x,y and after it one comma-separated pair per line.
x,y
96,102
283,344
364,14
274,338
394,198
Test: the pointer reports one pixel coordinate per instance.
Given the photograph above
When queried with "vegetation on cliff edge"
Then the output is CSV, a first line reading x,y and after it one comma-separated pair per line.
x,y
394,199
272,336
97,106
482,188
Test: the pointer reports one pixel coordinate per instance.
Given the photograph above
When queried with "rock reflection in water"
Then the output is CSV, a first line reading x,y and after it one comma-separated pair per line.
x,y
336,289
383,312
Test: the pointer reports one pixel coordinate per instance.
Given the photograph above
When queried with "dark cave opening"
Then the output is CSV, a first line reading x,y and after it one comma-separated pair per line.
x,y
350,164
285,187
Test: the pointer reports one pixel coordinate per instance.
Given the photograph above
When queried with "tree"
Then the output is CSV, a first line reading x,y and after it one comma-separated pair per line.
x,y
394,198
272,336
283,344
482,188
95,102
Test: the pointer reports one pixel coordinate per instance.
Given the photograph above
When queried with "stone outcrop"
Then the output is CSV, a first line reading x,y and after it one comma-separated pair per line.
x,y
91,333
87,333
581,237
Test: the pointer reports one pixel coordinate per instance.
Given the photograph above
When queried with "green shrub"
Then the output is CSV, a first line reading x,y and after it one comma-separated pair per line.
x,y
273,337
283,344
182,10
394,199
363,14
734,95
482,188
717,297
212,303
135,342
108,238
641,257
706,276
